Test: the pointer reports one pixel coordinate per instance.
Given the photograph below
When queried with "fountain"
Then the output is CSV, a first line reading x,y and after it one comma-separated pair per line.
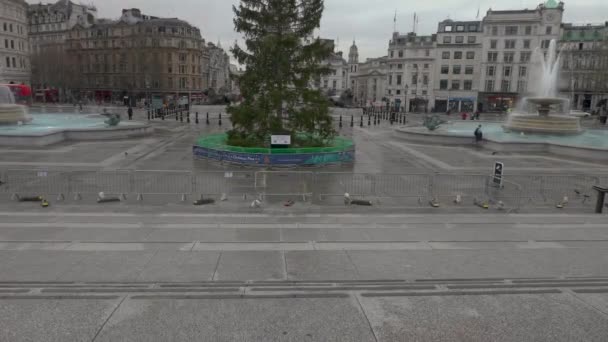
x,y
11,113
548,119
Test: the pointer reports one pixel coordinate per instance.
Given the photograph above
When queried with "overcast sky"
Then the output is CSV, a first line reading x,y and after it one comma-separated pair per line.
x,y
369,22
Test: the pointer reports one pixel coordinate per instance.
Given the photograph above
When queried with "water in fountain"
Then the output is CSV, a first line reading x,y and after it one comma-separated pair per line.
x,y
11,113
544,99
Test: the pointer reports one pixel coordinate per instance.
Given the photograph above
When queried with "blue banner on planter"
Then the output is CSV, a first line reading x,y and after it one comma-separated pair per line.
x,y
275,159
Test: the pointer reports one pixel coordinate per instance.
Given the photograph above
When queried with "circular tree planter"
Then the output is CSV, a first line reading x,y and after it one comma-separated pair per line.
x,y
214,147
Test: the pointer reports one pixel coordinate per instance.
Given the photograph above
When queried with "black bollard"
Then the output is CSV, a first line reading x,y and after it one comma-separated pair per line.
x,y
352,121
181,116
375,117
148,115
340,125
207,121
220,122
176,117
369,120
361,124
188,117
196,119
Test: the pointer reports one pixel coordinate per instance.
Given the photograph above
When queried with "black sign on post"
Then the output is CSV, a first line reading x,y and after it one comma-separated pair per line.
x,y
498,174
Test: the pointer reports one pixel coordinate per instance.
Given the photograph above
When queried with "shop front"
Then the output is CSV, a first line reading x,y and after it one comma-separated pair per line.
x,y
497,102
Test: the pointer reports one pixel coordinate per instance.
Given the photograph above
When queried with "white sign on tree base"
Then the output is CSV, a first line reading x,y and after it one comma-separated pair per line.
x,y
280,140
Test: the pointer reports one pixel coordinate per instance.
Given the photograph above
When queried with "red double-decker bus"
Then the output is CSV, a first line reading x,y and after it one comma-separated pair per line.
x,y
22,93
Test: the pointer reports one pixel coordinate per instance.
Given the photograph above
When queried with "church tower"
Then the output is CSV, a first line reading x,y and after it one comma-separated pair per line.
x,y
353,64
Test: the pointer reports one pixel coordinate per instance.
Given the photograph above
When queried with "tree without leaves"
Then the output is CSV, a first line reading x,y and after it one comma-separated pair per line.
x,y
281,60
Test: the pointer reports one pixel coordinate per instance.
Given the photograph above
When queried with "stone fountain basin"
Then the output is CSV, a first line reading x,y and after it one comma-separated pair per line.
x,y
545,101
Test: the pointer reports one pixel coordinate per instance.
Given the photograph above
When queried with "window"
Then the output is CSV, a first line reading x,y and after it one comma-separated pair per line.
x,y
491,70
528,30
505,85
495,30
511,30
10,27
5,26
468,70
14,62
12,44
508,57
471,39
8,62
457,54
549,29
524,57
493,43
398,92
460,28
470,54
445,55
443,84
325,83
398,79
459,39
545,44
427,53
334,85
527,44
426,66
415,66
425,79
390,79
522,86
492,56
6,43
456,69
447,39
455,85
448,28
507,71
468,85
489,85
510,44
445,69
414,79
400,53
473,27
399,66
523,71
389,92
392,53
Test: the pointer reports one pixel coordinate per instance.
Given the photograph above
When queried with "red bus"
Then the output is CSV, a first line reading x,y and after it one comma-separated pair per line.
x,y
22,93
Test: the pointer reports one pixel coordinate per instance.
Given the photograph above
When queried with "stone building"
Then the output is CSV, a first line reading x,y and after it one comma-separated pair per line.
x,y
369,82
584,58
411,72
137,57
218,68
457,67
510,37
15,57
49,25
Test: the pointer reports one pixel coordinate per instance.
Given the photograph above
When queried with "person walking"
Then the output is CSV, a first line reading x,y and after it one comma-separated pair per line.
x,y
130,113
604,114
478,135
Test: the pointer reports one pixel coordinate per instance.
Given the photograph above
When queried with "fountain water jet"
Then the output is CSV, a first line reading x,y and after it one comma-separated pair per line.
x,y
11,113
545,99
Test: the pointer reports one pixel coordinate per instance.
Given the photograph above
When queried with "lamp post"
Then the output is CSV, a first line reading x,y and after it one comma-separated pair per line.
x,y
405,102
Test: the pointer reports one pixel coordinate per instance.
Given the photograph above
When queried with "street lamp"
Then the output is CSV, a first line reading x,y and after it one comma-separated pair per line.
x,y
407,87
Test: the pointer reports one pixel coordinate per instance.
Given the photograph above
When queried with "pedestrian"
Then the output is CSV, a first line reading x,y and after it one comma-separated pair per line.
x,y
464,115
604,114
130,113
478,135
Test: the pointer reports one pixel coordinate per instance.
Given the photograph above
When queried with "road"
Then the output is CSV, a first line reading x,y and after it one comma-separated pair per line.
x,y
182,276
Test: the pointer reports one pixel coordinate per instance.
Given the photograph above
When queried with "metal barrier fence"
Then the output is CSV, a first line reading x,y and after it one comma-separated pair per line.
x,y
326,188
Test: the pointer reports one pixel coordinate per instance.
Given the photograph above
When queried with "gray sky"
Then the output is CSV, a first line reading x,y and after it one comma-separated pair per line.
x,y
370,22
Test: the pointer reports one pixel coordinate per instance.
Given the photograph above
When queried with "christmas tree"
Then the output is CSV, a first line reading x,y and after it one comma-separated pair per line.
x,y
282,59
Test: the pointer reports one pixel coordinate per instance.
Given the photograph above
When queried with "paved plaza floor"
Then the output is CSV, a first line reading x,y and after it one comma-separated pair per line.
x,y
146,271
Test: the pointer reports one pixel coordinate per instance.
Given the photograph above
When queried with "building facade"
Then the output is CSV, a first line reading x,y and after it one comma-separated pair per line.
x,y
510,38
369,82
49,25
410,73
458,66
15,60
218,68
584,60
137,57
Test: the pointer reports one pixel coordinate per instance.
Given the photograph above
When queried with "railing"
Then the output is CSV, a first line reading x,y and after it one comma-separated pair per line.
x,y
323,188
